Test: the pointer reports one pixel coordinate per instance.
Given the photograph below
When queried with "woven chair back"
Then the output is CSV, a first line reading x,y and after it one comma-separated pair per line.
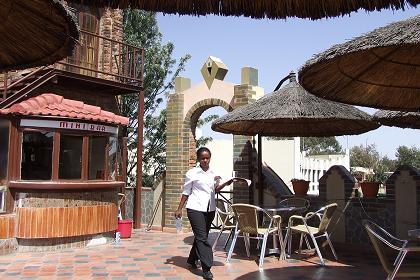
x,y
327,217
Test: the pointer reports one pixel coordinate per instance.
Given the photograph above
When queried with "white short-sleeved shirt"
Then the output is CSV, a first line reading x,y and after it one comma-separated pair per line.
x,y
199,186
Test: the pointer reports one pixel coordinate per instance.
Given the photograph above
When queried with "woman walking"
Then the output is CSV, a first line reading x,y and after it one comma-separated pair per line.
x,y
200,186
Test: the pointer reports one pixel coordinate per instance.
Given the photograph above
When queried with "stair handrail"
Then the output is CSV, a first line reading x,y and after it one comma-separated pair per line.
x,y
25,77
6,102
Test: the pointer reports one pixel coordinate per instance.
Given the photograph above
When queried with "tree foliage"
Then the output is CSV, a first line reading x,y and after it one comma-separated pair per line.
x,y
204,140
160,70
320,145
408,156
364,156
369,157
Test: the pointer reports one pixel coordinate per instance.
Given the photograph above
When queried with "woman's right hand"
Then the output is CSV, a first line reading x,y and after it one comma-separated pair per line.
x,y
178,213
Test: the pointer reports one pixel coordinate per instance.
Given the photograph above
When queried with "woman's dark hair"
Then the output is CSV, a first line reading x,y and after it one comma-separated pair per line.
x,y
201,150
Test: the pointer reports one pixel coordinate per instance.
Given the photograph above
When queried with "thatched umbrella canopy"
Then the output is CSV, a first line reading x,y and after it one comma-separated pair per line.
x,y
35,33
292,111
398,118
380,69
272,9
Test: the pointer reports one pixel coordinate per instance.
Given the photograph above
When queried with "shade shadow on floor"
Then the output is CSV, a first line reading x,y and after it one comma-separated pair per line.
x,y
310,273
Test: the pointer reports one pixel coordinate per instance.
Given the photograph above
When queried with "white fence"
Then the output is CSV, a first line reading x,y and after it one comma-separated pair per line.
x,y
314,167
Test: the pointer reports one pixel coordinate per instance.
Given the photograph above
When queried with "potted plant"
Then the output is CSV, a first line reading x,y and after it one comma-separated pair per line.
x,y
370,185
300,186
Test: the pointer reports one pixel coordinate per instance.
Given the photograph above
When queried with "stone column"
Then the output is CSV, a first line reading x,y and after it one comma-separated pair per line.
x,y
404,186
244,94
336,186
176,151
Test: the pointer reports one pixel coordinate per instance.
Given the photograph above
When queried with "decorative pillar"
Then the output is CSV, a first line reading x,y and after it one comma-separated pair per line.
x,y
176,162
337,186
244,94
404,186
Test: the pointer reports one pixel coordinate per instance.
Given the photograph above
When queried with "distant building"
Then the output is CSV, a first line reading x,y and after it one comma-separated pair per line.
x,y
285,158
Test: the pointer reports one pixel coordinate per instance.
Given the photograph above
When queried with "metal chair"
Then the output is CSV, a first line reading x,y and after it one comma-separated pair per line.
x,y
226,217
301,203
247,224
381,239
325,215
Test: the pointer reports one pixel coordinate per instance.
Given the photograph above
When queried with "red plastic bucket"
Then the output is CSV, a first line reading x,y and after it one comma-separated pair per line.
x,y
124,228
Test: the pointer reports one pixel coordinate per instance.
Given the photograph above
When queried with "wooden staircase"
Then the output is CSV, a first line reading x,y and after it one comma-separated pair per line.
x,y
19,89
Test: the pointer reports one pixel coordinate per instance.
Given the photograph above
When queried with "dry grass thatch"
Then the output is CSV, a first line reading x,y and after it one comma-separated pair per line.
x,y
273,9
34,33
380,69
398,118
292,111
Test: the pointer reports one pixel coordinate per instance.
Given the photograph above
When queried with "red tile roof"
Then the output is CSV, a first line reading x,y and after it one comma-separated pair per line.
x,y
49,104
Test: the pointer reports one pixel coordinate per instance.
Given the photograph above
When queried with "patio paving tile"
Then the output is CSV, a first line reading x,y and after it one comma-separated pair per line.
x,y
158,255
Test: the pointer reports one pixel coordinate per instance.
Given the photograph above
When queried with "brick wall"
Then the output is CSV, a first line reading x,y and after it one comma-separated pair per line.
x,y
92,97
242,147
177,156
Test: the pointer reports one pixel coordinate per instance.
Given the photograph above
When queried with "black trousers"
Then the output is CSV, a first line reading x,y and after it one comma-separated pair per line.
x,y
201,249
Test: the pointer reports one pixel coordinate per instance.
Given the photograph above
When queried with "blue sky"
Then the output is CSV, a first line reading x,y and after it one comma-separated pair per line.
x,y
275,48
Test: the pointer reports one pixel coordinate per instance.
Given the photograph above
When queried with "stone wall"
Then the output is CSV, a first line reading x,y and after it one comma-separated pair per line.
x,y
8,246
129,203
146,205
54,244
88,96
383,210
65,199
111,26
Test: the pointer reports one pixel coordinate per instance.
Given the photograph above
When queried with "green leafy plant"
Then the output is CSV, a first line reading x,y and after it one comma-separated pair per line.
x,y
378,175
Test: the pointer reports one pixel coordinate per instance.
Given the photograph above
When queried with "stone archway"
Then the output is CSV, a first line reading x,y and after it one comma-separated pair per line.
x,y
191,120
184,108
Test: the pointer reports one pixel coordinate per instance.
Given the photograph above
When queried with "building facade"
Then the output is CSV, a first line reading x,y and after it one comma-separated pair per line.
x,y
62,140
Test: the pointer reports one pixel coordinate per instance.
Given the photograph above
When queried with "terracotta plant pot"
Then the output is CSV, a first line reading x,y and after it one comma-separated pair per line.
x,y
370,189
300,187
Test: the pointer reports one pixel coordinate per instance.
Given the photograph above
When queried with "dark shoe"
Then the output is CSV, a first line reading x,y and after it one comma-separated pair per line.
x,y
192,264
207,274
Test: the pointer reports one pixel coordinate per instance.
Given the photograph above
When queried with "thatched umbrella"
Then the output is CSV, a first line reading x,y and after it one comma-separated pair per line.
x,y
398,118
380,69
35,33
273,9
292,111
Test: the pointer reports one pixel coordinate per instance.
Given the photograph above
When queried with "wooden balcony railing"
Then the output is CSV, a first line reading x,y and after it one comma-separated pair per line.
x,y
102,57
95,56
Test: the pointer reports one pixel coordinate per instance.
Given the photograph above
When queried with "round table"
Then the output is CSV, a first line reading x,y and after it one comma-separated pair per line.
x,y
279,210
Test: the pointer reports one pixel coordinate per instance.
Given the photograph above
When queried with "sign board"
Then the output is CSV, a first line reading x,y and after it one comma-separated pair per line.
x,y
63,124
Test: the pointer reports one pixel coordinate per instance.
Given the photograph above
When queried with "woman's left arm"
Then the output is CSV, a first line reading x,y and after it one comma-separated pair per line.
x,y
219,187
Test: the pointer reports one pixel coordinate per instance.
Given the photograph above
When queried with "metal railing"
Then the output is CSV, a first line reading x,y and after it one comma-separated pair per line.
x,y
95,56
102,57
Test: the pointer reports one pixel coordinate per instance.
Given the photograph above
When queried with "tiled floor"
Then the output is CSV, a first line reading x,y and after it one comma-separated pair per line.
x,y
157,255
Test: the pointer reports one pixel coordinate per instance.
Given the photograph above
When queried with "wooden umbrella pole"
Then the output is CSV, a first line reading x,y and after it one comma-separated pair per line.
x,y
260,174
140,123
